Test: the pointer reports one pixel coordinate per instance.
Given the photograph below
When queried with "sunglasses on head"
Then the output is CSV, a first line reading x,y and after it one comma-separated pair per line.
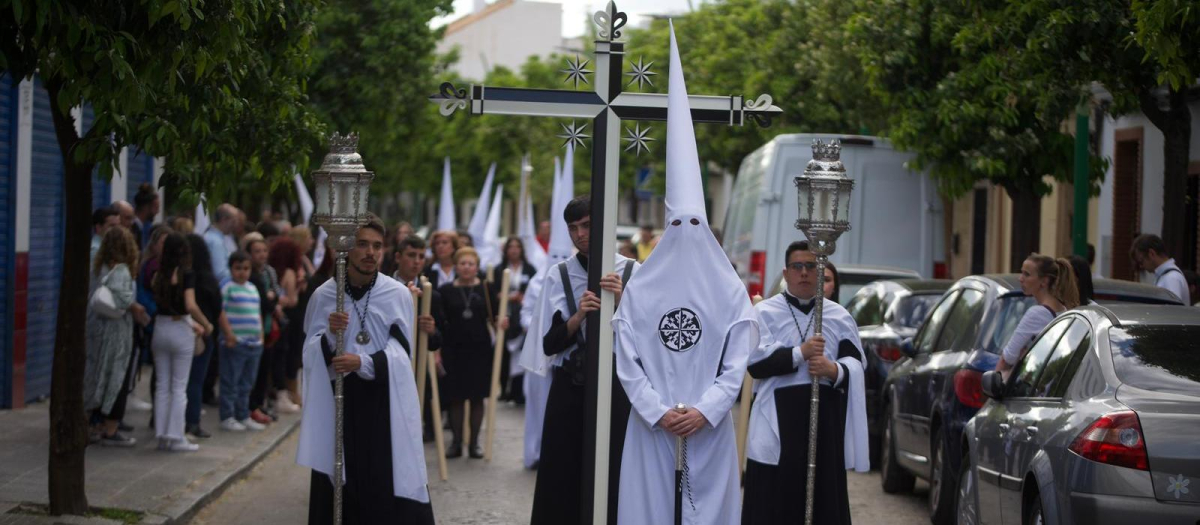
x,y
810,266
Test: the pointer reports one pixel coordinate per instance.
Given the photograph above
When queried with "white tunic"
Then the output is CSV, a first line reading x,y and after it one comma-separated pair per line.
x,y
779,329
391,304
685,328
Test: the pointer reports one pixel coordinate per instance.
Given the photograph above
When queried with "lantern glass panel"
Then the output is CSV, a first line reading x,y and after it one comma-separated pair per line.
x,y
803,196
343,199
322,201
823,199
364,189
843,200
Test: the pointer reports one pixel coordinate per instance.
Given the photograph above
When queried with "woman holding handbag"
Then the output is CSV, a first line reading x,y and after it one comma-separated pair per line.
x,y
178,323
465,324
208,298
110,333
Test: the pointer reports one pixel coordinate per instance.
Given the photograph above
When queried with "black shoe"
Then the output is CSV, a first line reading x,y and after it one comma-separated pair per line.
x,y
455,451
122,427
198,432
475,452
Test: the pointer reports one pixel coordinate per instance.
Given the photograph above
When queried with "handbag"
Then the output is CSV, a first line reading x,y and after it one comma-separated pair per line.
x,y
102,301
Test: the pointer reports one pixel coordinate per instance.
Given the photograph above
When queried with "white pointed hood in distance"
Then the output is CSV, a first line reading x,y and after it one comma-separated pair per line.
x,y
446,219
685,193
526,225
489,247
561,247
478,225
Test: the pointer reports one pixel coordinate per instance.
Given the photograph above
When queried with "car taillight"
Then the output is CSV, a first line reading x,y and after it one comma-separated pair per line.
x,y
888,352
968,386
1115,439
758,273
940,271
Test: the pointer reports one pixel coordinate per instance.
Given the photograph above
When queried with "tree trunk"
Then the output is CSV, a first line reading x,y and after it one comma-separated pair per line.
x,y
1177,137
1026,224
68,425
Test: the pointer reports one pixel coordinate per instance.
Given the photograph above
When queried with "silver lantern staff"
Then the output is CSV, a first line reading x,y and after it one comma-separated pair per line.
x,y
823,199
342,185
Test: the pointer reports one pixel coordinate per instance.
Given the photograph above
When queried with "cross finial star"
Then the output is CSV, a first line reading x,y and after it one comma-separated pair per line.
x,y
641,73
574,134
576,71
637,139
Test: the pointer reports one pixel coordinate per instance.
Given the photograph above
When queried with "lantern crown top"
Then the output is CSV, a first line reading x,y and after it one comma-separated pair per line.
x,y
347,143
827,152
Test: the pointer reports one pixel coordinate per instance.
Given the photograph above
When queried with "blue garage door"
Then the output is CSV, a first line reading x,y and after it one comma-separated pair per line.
x,y
8,126
45,248
141,171
101,189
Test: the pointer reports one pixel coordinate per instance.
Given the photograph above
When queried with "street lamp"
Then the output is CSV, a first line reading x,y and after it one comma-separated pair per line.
x,y
823,201
342,185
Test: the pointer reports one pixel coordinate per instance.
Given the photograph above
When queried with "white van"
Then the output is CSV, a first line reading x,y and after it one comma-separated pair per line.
x,y
896,214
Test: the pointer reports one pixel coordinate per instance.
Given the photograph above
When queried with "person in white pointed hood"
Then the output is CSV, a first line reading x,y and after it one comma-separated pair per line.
x,y
685,328
446,215
784,363
564,304
384,472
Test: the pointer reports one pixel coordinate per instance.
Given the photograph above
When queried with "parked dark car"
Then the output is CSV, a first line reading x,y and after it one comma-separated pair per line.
x,y
1097,424
852,277
933,391
888,312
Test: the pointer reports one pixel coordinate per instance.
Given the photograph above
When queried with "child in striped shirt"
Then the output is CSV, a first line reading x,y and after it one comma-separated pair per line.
x,y
242,328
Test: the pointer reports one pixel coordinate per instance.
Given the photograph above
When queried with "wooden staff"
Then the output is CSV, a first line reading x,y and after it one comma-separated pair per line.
x,y
416,333
743,422
497,354
423,344
438,437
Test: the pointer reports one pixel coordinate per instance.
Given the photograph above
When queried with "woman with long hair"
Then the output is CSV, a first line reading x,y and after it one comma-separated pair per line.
x,y
520,274
833,285
287,370
1083,279
1051,283
110,341
208,298
177,325
468,308
441,270
283,258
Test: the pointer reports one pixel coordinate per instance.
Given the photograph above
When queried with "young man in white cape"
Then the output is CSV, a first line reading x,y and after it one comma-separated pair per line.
x,y
685,328
558,494
384,458
787,358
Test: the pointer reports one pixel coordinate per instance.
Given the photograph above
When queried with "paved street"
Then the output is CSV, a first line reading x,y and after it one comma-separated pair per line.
x,y
479,493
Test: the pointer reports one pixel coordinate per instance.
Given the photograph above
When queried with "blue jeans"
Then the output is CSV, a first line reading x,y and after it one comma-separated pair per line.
x,y
195,384
239,368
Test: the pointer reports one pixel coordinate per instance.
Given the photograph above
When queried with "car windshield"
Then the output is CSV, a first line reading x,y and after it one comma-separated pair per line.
x,y
1158,358
910,311
1006,316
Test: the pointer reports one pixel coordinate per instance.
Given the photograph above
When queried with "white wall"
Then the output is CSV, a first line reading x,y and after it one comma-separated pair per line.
x,y
1152,178
505,34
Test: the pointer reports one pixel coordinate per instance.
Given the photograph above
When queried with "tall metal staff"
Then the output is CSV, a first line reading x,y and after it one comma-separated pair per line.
x,y
342,185
823,199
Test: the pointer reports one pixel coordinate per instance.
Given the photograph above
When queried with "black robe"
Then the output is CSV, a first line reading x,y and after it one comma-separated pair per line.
x,y
775,494
558,495
369,494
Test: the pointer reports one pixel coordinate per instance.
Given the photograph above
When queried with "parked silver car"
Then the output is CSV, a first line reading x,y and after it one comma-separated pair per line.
x,y
1098,423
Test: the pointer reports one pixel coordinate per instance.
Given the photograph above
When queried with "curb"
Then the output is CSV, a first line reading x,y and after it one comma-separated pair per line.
x,y
181,512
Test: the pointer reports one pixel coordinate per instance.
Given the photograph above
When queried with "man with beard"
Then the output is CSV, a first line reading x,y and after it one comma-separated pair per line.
x,y
385,479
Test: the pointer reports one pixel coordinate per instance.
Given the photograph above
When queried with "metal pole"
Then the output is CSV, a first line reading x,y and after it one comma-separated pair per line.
x,y
679,459
815,405
339,458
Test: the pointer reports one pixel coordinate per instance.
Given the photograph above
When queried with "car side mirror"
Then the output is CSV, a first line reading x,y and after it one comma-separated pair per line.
x,y
907,348
992,384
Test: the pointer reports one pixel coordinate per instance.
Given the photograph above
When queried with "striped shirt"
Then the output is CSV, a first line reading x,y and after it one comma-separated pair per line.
x,y
240,304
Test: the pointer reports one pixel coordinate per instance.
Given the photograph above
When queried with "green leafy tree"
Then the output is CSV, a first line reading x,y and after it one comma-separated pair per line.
x,y
216,87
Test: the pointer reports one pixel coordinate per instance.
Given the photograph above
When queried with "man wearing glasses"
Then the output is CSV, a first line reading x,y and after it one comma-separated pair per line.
x,y
789,355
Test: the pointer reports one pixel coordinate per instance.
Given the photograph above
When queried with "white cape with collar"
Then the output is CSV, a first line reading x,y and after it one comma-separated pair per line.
x,y
391,304
779,329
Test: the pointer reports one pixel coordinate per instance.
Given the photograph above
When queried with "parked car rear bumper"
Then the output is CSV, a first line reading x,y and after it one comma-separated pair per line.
x,y
1108,508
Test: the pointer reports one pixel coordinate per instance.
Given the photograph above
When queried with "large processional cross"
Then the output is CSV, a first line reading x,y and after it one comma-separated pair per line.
x,y
607,106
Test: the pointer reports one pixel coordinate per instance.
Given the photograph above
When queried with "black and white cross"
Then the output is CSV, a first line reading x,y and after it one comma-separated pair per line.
x,y
606,106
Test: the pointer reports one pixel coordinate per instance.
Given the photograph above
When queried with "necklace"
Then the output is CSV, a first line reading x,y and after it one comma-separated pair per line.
x,y
803,333
363,337
467,313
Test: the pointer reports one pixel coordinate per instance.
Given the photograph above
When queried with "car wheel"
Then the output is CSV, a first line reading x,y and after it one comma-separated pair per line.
x,y
943,481
893,477
1033,514
968,509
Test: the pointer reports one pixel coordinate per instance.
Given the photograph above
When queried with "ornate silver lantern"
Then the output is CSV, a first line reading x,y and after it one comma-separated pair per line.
x,y
342,185
823,201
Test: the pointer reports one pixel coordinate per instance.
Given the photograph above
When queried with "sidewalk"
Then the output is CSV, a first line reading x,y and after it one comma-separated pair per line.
x,y
167,487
